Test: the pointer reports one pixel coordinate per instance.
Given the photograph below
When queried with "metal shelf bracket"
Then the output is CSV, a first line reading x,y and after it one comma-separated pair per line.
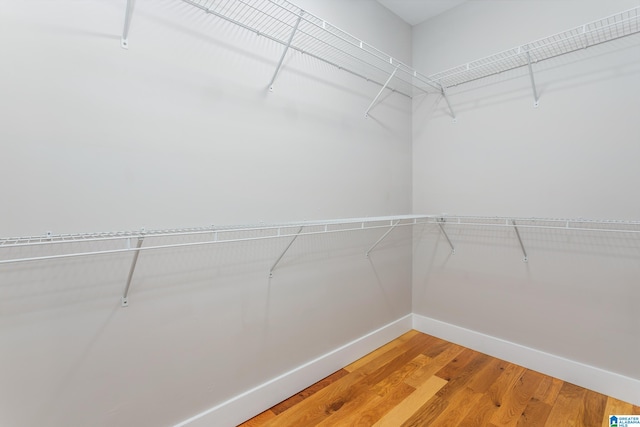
x,y
446,98
124,42
533,82
524,252
285,251
286,49
441,221
125,295
366,113
383,236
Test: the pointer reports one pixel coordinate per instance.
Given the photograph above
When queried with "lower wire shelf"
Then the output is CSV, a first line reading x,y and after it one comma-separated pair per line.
x,y
83,245
75,245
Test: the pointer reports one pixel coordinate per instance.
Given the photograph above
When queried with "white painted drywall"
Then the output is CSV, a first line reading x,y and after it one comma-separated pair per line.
x,y
166,133
573,156
180,131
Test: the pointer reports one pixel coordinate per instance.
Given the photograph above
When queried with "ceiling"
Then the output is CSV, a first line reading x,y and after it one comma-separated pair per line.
x,y
417,11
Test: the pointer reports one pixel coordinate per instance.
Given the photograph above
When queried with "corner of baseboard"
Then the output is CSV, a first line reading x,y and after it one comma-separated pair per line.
x,y
591,377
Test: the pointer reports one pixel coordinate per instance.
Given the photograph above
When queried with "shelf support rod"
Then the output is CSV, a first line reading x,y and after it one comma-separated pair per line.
x,y
533,82
440,222
446,98
124,42
383,237
125,295
286,49
284,252
524,252
366,113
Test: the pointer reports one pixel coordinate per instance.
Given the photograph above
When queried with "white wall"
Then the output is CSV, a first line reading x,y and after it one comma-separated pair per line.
x,y
165,133
179,131
573,156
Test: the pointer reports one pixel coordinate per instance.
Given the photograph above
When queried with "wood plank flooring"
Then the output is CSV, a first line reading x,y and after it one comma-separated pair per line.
x,y
420,380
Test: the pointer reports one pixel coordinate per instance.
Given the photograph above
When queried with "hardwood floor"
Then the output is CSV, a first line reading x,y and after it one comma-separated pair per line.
x,y
420,380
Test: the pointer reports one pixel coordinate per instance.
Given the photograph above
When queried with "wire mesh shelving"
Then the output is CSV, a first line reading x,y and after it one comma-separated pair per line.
x,y
593,33
517,224
64,246
294,28
590,34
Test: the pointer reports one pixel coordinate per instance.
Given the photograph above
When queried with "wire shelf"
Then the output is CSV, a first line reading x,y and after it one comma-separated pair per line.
x,y
294,28
593,33
238,233
75,244
615,226
64,246
279,19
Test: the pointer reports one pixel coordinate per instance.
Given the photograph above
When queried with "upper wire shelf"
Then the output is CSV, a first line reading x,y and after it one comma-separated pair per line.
x,y
294,28
593,33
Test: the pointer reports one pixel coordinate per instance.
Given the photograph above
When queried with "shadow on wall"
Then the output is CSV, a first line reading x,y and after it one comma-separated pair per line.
x,y
76,365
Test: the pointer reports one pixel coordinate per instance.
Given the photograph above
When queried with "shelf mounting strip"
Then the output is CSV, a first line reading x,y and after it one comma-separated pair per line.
x,y
287,24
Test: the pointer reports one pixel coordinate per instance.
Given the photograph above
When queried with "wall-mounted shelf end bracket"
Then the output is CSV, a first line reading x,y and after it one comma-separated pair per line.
x,y
524,252
383,237
533,82
125,294
443,90
124,42
286,49
441,221
366,113
285,251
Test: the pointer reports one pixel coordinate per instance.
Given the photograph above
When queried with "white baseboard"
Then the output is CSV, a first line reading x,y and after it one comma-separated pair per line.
x,y
252,402
590,377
